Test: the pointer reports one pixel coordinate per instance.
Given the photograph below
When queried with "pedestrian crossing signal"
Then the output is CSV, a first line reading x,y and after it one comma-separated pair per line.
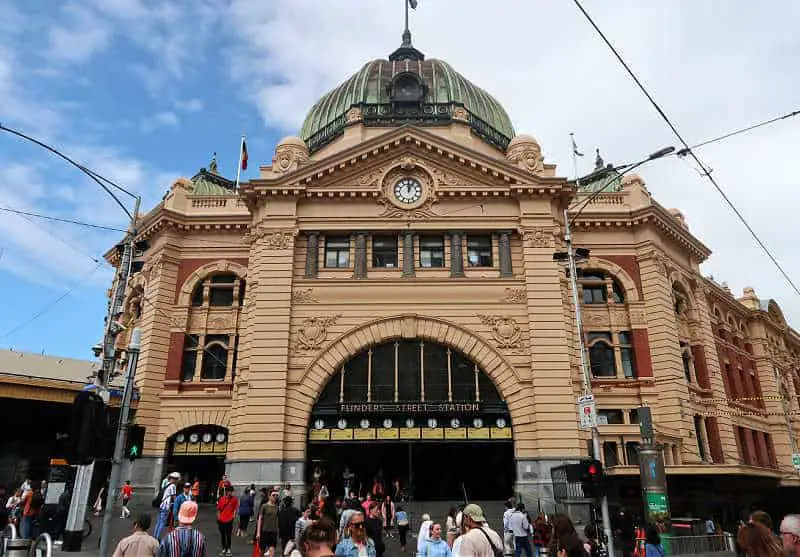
x,y
134,442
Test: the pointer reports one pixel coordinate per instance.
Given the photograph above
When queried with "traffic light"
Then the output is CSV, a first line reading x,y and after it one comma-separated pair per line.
x,y
591,478
89,431
134,441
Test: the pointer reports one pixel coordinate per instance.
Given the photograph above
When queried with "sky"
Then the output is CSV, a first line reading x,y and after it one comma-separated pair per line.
x,y
145,91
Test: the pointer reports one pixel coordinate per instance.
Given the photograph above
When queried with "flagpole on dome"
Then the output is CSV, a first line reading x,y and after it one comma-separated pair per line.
x,y
242,161
575,155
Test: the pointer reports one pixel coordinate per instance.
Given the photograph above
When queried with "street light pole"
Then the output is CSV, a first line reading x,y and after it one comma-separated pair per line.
x,y
573,280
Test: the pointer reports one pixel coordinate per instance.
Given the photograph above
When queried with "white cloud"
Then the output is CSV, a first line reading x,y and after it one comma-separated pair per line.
x,y
190,105
165,119
81,37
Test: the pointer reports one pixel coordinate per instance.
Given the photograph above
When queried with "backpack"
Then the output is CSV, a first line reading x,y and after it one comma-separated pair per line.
x,y
498,551
158,498
402,518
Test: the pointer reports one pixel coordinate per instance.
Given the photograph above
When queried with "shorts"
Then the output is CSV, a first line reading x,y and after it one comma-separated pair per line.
x,y
268,539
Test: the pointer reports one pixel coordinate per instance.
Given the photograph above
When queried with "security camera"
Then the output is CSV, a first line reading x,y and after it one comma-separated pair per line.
x,y
97,349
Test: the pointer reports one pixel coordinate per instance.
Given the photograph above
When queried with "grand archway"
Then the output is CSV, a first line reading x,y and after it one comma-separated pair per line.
x,y
198,453
416,412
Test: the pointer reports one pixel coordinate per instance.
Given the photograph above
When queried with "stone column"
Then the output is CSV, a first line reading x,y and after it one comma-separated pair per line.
x,y
360,263
504,252
456,254
408,254
312,255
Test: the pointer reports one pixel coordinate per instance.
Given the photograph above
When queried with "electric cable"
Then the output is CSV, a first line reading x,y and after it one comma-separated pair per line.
x,y
687,150
792,114
59,219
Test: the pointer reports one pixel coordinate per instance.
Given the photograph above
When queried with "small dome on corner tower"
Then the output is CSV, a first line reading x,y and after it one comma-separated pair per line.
x,y
525,152
290,153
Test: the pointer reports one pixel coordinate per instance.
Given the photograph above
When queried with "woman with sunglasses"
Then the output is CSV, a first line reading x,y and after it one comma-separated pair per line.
x,y
357,544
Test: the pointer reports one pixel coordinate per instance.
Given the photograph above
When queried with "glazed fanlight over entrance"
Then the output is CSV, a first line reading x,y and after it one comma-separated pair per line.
x,y
407,401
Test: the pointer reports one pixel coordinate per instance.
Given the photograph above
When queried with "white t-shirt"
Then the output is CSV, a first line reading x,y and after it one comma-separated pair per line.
x,y
457,546
166,499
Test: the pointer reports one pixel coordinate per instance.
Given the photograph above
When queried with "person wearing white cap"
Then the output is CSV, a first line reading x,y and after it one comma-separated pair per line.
x,y
480,540
424,533
167,499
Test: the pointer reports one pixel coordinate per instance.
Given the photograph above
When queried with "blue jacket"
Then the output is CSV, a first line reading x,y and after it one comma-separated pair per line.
x,y
246,503
347,548
654,550
179,500
436,548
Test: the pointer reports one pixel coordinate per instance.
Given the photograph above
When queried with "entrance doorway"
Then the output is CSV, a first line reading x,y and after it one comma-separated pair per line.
x,y
198,453
417,413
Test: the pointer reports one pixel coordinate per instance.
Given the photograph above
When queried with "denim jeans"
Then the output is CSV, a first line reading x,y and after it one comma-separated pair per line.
x,y
522,543
26,527
163,517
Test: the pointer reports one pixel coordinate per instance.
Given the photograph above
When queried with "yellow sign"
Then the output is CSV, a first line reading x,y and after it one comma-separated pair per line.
x,y
341,435
362,434
432,433
501,433
179,448
221,448
479,433
457,433
207,448
319,435
392,433
409,433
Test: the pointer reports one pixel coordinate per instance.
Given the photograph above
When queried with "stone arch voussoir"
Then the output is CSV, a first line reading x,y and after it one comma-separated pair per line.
x,y
631,291
195,417
221,266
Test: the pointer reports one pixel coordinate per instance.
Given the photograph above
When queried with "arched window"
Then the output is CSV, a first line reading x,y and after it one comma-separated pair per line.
x,y
601,355
599,287
208,355
220,290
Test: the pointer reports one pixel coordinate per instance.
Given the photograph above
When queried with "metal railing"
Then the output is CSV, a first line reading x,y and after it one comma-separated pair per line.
x,y
38,551
9,534
694,545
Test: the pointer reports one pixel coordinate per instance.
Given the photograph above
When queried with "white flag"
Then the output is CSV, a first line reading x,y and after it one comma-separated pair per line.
x,y
575,147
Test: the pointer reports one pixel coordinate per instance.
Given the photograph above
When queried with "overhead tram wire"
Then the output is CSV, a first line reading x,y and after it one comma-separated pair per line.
x,y
684,152
90,173
687,150
59,219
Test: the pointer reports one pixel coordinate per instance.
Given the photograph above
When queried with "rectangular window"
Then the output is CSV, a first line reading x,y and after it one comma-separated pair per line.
x,y
626,355
698,433
220,296
633,415
610,453
384,251
337,251
632,453
610,417
431,252
189,362
687,362
479,251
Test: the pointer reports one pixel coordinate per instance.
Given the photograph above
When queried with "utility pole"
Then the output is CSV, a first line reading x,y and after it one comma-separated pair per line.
x,y
119,445
651,472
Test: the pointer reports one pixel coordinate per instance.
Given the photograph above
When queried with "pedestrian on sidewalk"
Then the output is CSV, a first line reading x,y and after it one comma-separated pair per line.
x,y
168,494
402,527
287,518
790,535
185,495
520,526
435,546
357,544
246,503
757,541
126,491
268,525
227,506
480,540
140,543
184,541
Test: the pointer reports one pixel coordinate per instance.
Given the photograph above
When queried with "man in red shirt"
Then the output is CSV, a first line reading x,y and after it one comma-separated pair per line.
x,y
127,492
227,506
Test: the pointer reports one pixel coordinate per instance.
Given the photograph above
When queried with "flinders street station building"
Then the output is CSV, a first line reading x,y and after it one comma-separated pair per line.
x,y
384,298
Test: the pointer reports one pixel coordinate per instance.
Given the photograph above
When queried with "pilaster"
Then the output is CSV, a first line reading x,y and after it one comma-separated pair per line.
x,y
456,254
408,254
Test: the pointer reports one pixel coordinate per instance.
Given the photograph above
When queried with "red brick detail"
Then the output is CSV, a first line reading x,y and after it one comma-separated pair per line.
x,y
175,356
630,265
714,441
762,453
641,352
701,366
188,266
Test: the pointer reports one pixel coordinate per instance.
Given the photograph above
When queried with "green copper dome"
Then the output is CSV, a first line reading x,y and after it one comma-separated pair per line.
x,y
407,89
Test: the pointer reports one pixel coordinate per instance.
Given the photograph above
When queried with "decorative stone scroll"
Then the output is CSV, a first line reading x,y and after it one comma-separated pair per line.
x,y
515,296
314,330
542,237
273,239
505,330
304,296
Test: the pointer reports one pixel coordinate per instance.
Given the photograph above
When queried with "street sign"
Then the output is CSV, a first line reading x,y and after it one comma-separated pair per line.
x,y
587,412
657,503
796,461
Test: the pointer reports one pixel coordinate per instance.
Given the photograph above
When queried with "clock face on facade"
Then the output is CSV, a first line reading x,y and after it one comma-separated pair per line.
x,y
408,190
220,437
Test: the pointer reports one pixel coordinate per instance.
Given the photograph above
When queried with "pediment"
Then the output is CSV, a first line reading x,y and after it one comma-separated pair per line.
x,y
362,170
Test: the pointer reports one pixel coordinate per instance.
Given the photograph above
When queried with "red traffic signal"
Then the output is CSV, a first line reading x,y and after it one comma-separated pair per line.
x,y
591,478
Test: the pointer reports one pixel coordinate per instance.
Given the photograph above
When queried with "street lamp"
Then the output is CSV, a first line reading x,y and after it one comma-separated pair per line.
x,y
571,257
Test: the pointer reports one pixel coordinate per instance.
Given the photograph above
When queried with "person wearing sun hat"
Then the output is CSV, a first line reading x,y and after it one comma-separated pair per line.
x,y
184,541
480,540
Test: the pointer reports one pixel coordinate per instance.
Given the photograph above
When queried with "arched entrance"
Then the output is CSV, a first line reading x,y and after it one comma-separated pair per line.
x,y
417,412
199,452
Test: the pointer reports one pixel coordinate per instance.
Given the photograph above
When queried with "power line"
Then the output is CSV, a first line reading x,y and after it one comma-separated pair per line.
x,y
687,150
59,219
792,114
53,303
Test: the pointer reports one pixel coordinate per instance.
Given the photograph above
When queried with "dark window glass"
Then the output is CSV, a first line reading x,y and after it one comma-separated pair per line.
x,y
330,394
221,295
215,360
435,359
431,251
355,378
594,293
597,276
601,357
479,251
383,373
624,338
626,355
384,251
223,279
610,453
197,295
634,416
594,335
409,371
632,453
337,251
489,392
463,371
242,284
235,358
698,433
687,362
610,417
189,358
617,293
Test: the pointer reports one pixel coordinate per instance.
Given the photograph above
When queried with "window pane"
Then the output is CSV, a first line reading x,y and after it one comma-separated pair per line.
x,y
479,251
594,294
223,279
634,416
632,453
463,378
330,394
618,293
698,432
628,364
409,371
610,453
383,373
384,251
489,392
601,357
598,276
355,378
197,295
221,296
431,251
687,366
337,251
215,362
188,364
435,357
241,291
624,337
235,356
610,417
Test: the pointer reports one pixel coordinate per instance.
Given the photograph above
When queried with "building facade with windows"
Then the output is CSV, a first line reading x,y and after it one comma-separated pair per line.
x,y
384,296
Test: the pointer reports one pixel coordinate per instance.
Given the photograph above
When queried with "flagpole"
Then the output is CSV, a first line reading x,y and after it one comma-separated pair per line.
x,y
573,148
239,167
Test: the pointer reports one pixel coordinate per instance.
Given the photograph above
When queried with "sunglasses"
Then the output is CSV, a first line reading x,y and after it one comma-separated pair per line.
x,y
356,524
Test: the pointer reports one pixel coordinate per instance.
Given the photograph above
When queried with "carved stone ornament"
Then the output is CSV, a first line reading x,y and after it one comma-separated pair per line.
x,y
526,154
304,296
273,239
659,258
290,154
219,324
542,237
515,296
505,330
447,178
460,113
314,330
407,168
352,115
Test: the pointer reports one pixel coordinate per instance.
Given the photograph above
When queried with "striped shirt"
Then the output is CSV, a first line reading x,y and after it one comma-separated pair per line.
x,y
183,541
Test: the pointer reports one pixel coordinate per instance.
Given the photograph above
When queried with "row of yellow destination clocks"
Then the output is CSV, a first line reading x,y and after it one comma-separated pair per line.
x,y
409,433
212,448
